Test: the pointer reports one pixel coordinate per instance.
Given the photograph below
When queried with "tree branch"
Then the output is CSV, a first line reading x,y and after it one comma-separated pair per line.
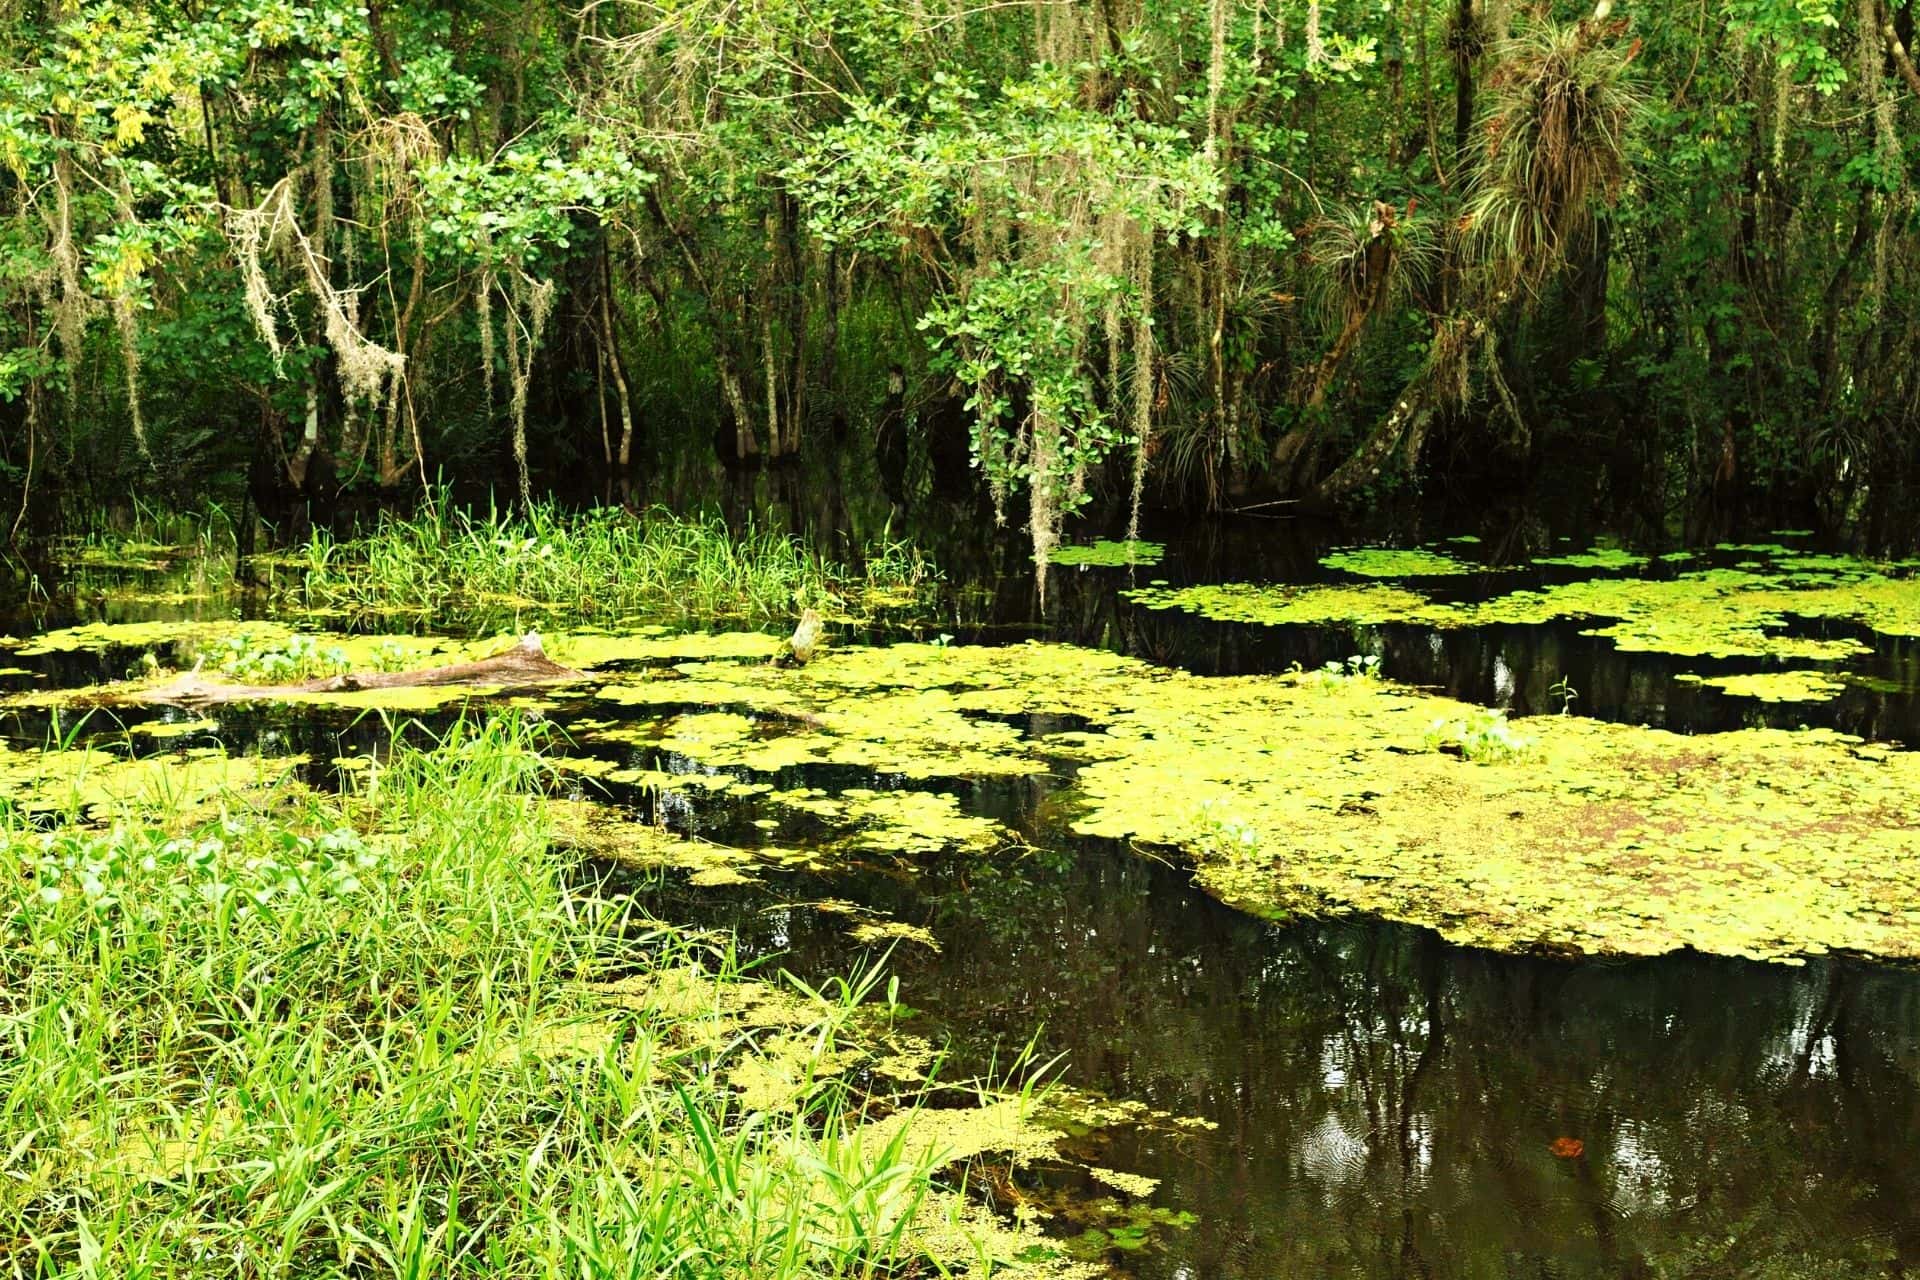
x,y
1901,60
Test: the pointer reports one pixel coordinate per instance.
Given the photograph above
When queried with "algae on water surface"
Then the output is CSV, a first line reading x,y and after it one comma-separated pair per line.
x,y
1595,838
1712,613
91,780
1775,686
1339,793
1397,562
1588,837
1374,604
1598,558
1109,554
266,661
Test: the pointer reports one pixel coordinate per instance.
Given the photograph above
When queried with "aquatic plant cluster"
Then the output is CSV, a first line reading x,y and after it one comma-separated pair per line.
x,y
1359,795
1479,735
1107,554
1758,606
297,657
601,565
492,1049
143,870
265,1031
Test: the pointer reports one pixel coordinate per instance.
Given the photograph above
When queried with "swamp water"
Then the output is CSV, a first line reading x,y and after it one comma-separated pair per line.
x,y
1357,1097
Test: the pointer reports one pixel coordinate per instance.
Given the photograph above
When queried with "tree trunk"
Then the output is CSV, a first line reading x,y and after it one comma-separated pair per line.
x,y
624,460
1408,416
1466,50
796,380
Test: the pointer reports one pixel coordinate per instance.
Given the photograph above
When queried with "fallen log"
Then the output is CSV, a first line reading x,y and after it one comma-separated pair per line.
x,y
524,664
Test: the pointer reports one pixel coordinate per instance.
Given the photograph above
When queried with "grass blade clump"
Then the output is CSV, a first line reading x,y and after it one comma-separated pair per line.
x,y
595,566
330,1037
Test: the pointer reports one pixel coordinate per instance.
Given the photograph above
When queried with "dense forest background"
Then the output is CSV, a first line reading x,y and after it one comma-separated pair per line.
x,y
1204,251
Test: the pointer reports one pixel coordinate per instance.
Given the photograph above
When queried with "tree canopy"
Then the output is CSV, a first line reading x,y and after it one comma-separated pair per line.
x,y
1186,248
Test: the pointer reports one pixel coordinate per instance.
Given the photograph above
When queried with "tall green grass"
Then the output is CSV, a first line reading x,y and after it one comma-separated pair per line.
x,y
147,533
314,1039
146,549
595,566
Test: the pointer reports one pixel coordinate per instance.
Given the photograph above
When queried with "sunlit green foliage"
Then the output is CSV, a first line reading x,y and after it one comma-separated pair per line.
x,y
266,1031
599,566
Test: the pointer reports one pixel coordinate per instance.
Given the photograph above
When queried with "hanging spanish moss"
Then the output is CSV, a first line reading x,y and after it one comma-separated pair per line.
x,y
1140,399
532,303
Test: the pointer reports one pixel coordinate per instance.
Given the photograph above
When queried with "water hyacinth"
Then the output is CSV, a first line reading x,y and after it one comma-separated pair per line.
x,y
1479,735
1356,667
1227,835
128,875
266,657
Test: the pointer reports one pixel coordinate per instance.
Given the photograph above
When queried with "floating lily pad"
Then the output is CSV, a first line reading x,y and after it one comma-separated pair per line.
x,y
1598,558
1392,562
1107,553
1776,686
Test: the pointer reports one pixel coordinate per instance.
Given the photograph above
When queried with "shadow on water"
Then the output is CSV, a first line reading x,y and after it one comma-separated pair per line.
x,y
1510,666
1388,1105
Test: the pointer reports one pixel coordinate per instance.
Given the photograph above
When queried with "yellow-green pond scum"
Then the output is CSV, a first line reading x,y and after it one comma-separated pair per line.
x,y
1291,794
1708,613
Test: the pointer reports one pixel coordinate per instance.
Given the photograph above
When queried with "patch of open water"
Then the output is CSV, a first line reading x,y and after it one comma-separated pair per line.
x,y
1389,1105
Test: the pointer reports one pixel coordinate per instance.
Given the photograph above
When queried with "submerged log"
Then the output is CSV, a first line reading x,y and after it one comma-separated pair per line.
x,y
524,664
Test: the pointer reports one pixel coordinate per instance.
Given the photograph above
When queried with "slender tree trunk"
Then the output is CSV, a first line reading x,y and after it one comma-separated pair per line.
x,y
1466,51
776,439
1825,342
796,379
310,434
1902,60
624,461
600,403
830,334
744,444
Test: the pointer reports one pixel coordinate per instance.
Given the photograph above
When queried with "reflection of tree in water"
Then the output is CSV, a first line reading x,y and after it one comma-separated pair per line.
x,y
1386,1103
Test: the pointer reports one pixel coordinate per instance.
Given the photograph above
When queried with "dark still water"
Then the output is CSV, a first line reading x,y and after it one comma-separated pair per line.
x,y
1513,666
1388,1105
